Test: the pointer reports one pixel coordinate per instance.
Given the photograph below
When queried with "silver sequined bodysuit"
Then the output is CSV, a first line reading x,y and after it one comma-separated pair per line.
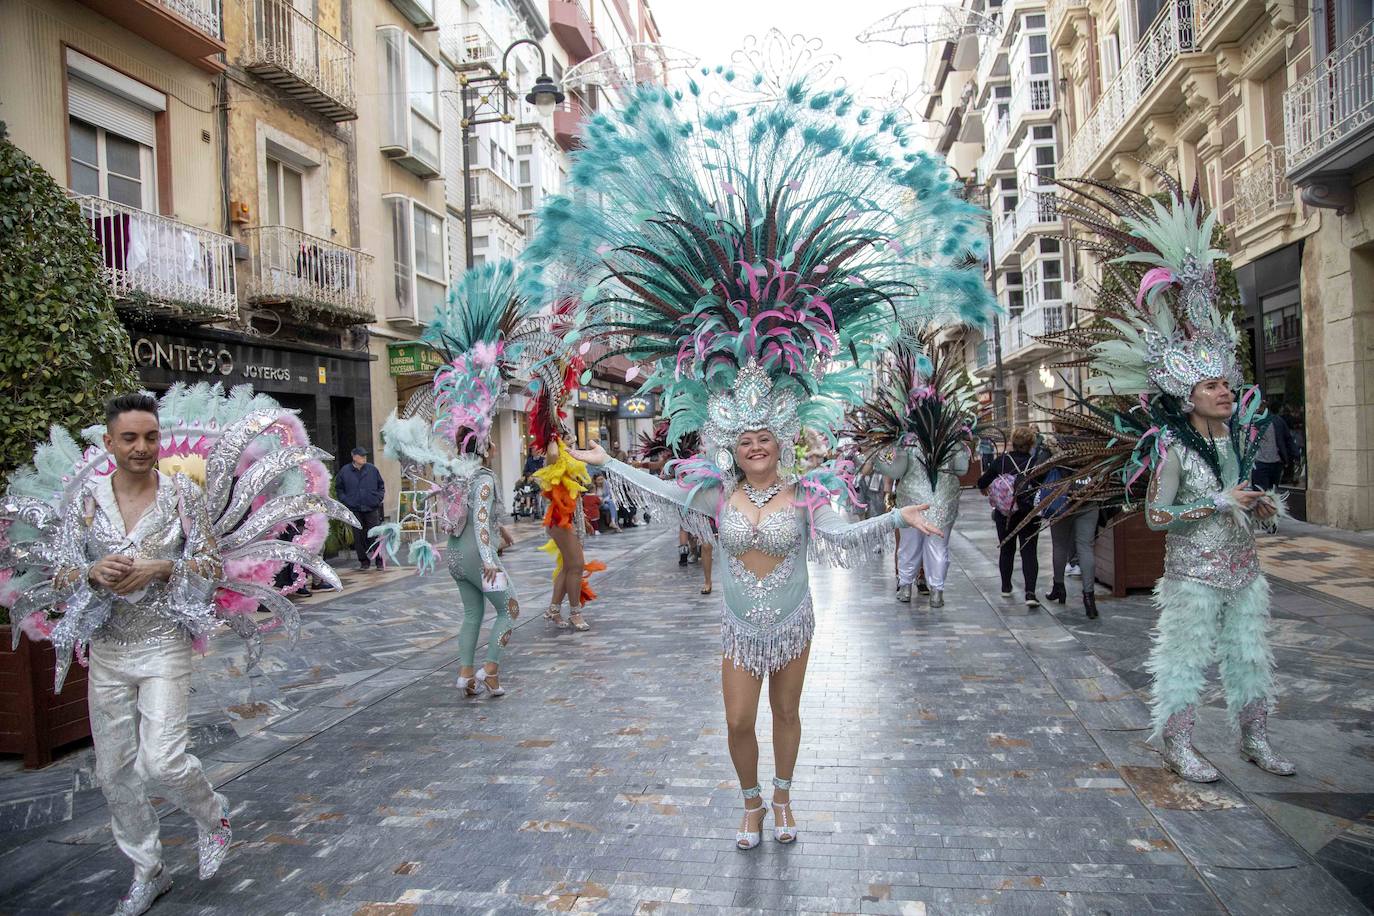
x,y
906,465
173,528
1204,542
767,622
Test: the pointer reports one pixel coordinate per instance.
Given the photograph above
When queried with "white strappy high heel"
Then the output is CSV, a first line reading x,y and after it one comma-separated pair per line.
x,y
486,684
470,685
784,824
748,839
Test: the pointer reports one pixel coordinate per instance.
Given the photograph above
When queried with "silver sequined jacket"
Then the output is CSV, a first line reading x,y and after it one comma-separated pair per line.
x,y
175,527
1206,542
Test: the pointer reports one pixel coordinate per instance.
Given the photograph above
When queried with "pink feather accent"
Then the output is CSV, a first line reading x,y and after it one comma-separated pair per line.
x,y
36,626
1152,278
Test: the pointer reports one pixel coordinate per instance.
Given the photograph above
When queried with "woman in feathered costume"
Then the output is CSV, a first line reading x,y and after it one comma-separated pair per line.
x,y
177,515
918,426
443,441
1193,435
755,256
563,478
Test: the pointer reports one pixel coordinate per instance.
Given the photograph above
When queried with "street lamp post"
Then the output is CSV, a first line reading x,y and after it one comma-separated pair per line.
x,y
479,107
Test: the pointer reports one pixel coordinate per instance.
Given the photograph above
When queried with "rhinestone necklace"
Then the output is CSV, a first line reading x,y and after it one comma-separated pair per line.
x,y
761,498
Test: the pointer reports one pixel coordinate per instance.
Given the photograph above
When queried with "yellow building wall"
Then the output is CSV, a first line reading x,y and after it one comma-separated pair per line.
x,y
33,104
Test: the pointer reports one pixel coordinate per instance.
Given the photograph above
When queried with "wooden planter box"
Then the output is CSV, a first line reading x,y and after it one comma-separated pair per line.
x,y
1129,555
34,720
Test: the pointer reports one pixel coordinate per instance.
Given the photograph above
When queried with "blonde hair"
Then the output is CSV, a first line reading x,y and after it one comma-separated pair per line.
x,y
1022,439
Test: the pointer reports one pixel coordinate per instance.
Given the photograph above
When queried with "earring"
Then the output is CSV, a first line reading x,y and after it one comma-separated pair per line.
x,y
1188,405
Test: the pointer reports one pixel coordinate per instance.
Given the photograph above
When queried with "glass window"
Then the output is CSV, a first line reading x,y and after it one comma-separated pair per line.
x,y
401,252
411,83
479,241
429,244
104,164
1036,21
285,195
85,166
1043,132
1049,245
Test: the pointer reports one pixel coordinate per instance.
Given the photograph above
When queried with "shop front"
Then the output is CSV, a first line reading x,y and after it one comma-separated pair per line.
x,y
1271,299
329,387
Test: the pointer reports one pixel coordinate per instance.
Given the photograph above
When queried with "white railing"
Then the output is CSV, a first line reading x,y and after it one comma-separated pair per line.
x,y
1021,332
994,146
1035,210
1171,35
203,14
1032,95
184,268
289,265
989,48
1260,185
1332,101
1207,12
282,38
1056,10
468,45
493,194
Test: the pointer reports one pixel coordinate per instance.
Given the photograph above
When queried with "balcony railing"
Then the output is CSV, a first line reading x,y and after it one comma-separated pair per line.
x,y
164,264
313,275
1172,34
1037,209
1033,96
1260,185
203,14
1332,102
567,122
290,51
1207,11
492,194
468,46
994,147
1056,10
1020,333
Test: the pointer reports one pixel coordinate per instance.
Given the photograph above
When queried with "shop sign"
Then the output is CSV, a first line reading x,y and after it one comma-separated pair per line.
x,y
406,358
199,359
596,397
636,407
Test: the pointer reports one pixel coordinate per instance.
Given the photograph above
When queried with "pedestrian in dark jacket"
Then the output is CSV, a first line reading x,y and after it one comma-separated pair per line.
x,y
1016,463
359,486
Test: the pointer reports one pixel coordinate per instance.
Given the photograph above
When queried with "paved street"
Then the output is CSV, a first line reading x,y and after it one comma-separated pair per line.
x,y
977,758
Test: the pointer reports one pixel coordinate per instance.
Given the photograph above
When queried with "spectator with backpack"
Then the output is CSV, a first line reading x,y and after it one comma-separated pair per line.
x,y
1011,493
1070,532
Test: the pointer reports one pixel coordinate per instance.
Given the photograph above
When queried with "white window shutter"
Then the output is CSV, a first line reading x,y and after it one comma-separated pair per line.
x,y
115,113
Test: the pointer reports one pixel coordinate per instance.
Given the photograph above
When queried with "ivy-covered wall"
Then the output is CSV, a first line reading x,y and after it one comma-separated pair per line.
x,y
63,351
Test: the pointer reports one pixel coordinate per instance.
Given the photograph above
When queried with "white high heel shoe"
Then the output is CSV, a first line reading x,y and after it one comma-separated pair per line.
x,y
486,684
470,685
784,824
745,838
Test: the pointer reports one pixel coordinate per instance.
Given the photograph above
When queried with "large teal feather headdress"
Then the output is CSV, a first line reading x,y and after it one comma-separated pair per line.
x,y
753,255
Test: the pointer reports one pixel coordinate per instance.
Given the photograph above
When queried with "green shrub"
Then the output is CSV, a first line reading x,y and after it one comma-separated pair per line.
x,y
64,351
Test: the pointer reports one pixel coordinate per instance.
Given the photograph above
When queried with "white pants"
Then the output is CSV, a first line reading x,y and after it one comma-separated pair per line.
x,y
139,698
915,549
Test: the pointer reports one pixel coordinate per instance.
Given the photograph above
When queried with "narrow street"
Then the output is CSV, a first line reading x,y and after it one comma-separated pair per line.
x,y
971,759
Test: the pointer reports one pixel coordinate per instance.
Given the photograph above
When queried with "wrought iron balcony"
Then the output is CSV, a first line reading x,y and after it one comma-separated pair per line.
x,y
1328,115
1034,96
1057,12
1020,334
1260,187
322,281
468,46
1171,34
190,29
286,48
161,264
492,194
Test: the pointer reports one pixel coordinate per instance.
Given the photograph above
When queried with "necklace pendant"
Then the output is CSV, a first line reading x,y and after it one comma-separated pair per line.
x,y
761,498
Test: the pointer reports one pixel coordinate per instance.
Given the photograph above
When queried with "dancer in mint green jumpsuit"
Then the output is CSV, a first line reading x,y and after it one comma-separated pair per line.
x,y
480,575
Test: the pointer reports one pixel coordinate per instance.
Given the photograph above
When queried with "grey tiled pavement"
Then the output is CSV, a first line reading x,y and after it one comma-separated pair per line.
x,y
970,759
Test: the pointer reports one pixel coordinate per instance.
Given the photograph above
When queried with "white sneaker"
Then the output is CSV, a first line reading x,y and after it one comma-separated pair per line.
x,y
1073,570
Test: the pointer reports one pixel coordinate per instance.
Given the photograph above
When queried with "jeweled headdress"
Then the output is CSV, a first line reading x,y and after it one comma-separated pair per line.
x,y
1171,334
750,253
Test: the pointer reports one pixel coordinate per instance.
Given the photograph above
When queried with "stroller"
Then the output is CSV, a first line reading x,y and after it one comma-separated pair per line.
x,y
526,500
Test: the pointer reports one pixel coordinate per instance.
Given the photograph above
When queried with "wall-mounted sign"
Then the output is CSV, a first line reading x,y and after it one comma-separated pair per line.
x,y
202,359
636,407
598,398
412,356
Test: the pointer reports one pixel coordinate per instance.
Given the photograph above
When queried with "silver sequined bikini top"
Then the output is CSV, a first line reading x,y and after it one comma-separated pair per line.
x,y
779,535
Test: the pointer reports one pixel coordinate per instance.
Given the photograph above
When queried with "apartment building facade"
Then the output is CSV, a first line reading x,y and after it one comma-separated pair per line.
x,y
209,146
1269,106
